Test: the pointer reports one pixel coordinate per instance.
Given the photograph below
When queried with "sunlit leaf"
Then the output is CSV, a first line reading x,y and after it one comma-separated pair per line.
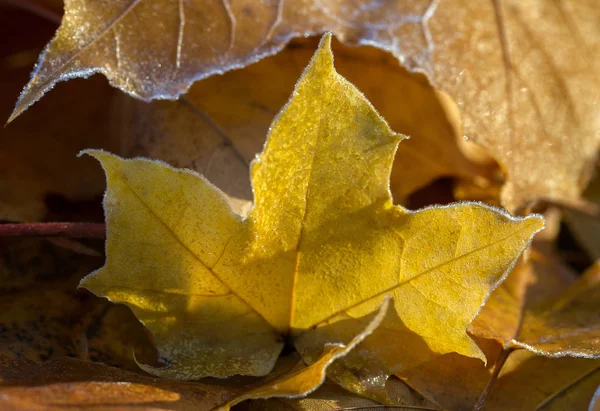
x,y
321,248
526,92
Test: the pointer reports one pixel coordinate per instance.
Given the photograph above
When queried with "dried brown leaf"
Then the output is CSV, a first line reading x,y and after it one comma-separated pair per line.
x,y
83,385
522,73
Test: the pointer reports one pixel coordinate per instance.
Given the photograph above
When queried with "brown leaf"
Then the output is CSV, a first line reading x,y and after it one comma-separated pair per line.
x,y
526,90
82,385
453,381
526,312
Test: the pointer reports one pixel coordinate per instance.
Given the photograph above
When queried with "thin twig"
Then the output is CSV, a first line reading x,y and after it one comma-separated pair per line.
x,y
499,364
71,230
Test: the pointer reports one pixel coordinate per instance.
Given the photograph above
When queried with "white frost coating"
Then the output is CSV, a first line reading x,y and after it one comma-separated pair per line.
x,y
191,69
552,354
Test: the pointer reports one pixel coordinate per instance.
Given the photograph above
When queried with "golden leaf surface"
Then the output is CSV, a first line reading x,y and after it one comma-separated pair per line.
x,y
521,72
322,246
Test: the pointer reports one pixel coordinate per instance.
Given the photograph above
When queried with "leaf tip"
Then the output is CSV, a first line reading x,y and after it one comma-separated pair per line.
x,y
13,115
104,157
538,222
20,107
323,57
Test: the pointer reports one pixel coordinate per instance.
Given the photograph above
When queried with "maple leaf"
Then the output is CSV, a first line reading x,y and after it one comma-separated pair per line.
x,y
315,257
522,97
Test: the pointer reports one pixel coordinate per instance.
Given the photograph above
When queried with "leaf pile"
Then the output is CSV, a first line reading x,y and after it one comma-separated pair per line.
x,y
267,240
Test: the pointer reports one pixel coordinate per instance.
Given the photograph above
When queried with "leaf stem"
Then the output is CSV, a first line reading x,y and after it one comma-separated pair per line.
x,y
499,364
72,230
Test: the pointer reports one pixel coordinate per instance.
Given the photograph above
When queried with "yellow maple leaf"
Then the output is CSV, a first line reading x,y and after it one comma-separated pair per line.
x,y
313,260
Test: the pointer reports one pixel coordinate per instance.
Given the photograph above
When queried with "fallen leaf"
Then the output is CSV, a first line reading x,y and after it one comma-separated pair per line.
x,y
540,303
321,248
80,385
527,91
458,382
220,124
523,74
453,381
